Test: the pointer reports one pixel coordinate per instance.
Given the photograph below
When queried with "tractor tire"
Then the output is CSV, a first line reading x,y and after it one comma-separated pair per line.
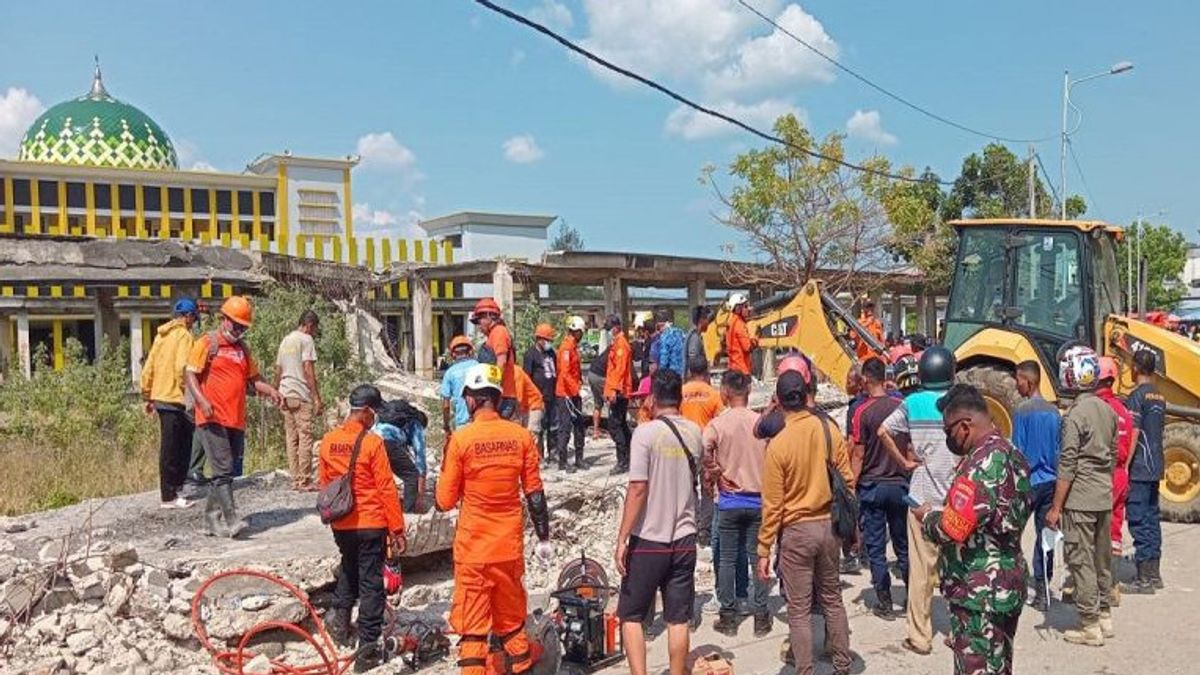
x,y
1179,492
999,389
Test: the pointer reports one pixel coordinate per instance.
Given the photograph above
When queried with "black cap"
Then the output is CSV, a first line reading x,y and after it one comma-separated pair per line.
x,y
612,321
791,387
366,396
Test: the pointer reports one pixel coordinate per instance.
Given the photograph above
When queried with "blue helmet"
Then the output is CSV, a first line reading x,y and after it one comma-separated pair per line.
x,y
185,306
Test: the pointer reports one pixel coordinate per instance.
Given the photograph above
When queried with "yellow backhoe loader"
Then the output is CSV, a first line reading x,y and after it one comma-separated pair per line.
x,y
1022,290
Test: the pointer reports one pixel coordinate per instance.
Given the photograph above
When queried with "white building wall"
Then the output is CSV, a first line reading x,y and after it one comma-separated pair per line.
x,y
1191,272
313,178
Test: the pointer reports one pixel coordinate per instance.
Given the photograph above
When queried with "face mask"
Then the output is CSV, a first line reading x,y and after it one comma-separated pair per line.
x,y
952,442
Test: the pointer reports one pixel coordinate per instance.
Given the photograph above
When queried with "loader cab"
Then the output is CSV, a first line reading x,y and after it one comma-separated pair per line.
x,y
1050,282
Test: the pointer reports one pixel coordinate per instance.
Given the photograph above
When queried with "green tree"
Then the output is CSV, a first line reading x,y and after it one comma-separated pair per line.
x,y
920,234
567,238
1164,252
798,214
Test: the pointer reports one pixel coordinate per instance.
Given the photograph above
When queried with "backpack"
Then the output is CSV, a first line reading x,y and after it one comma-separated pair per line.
x,y
336,500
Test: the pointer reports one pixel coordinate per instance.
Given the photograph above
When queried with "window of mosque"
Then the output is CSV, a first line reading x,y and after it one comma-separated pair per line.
x,y
199,226
245,202
175,200
21,192
76,196
103,192
151,198
266,203
47,193
199,200
224,202
128,197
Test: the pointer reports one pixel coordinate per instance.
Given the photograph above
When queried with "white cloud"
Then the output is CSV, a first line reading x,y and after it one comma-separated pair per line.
x,y
382,150
202,166
368,220
517,57
691,125
522,149
190,157
714,50
553,14
866,125
18,109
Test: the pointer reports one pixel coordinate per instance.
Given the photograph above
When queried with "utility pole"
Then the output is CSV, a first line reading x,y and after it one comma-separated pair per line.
x,y
1062,149
1032,183
1130,303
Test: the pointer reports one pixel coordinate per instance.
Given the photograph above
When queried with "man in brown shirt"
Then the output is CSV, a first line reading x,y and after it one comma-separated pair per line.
x,y
796,506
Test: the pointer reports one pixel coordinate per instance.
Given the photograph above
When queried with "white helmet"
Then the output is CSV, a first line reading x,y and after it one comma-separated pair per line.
x,y
642,319
483,376
735,300
576,323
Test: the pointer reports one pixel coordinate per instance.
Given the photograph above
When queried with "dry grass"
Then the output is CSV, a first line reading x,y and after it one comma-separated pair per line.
x,y
38,478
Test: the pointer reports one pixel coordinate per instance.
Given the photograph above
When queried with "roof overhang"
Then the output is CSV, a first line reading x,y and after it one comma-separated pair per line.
x,y
1082,225
268,164
455,221
104,174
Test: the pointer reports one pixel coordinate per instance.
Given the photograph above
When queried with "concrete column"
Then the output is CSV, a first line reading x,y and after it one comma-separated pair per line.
x,y
502,290
422,317
897,315
768,364
135,346
929,317
23,353
106,320
920,323
616,298
6,346
697,290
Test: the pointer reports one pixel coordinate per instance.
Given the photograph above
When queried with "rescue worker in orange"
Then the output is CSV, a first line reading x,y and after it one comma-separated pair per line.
x,y
364,535
489,464
738,342
618,385
498,349
874,327
530,404
219,370
569,415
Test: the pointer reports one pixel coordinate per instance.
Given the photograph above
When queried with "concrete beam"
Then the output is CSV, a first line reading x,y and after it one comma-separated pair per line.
x,y
422,326
697,290
23,353
502,290
135,346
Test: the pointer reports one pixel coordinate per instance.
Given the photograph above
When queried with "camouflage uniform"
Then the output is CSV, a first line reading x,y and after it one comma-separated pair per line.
x,y
984,577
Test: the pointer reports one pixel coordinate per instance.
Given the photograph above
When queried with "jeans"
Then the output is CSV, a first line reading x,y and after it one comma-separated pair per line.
x,y
618,428
174,451
1042,496
361,579
1141,511
884,516
737,532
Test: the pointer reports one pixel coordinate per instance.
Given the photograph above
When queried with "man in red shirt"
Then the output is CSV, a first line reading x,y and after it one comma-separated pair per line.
x,y
1108,377
363,535
218,372
738,342
498,349
618,385
569,415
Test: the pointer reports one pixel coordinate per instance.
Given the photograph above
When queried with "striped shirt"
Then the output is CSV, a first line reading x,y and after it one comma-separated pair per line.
x,y
919,417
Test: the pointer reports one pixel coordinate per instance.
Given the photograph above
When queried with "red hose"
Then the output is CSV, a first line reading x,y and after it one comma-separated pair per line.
x,y
233,662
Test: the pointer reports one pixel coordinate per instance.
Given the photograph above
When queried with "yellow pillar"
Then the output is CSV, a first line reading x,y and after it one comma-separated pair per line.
x,y
139,218
418,250
89,191
264,244
235,223
147,336
226,290
32,291
214,233
59,354
10,218
164,209
282,242
352,251
164,291
34,226
386,253
62,208
115,199
206,289
369,253
448,256
56,291
122,291
79,291
301,247
187,214
337,249
402,256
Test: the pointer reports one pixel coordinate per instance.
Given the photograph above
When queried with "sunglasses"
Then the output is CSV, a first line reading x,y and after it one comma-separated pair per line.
x,y
949,428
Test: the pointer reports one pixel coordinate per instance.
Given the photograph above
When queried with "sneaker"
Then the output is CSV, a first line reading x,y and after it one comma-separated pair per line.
x,y
177,503
883,606
726,624
1038,600
713,606
1106,625
763,624
618,470
850,565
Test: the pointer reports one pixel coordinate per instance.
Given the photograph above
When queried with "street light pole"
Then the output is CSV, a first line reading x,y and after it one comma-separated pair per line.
x,y
1116,69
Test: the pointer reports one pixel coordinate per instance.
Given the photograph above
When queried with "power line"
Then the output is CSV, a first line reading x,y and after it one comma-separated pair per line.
x,y
1079,170
886,92
1049,183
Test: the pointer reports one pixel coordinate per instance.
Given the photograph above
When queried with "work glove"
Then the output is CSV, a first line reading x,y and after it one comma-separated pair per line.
x,y
544,551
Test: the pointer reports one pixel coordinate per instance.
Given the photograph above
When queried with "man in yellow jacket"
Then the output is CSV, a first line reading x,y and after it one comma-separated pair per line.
x,y
163,393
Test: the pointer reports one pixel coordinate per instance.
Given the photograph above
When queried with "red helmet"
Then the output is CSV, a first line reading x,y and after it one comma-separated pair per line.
x,y
485,306
795,362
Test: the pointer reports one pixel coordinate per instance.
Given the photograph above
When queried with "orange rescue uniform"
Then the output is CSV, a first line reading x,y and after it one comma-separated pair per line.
x,y
376,501
618,380
875,327
739,344
701,402
490,464
223,380
499,340
527,394
570,370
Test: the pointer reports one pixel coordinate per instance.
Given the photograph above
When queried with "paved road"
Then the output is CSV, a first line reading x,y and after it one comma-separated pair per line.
x,y
1154,634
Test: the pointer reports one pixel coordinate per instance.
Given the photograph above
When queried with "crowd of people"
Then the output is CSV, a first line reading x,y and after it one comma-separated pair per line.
x,y
787,492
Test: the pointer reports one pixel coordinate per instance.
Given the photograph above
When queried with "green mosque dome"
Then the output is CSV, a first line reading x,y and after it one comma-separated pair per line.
x,y
98,130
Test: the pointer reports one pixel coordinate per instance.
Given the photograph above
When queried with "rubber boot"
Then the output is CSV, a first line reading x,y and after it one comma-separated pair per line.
x,y
579,465
234,525
212,513
368,657
1155,574
337,624
1089,634
1106,625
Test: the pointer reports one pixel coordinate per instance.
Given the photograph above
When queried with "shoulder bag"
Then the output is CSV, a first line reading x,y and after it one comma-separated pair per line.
x,y
843,509
336,500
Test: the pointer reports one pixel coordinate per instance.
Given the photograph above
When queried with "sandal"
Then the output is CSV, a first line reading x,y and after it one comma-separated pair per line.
x,y
912,647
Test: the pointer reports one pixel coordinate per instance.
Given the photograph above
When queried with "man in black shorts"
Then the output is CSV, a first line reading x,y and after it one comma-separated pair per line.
x,y
656,546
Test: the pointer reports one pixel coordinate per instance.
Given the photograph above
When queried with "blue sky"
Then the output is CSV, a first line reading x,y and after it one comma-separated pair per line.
x,y
455,108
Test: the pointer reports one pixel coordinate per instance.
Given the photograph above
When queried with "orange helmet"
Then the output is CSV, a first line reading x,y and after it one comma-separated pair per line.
x,y
1108,368
460,341
485,306
237,309
544,331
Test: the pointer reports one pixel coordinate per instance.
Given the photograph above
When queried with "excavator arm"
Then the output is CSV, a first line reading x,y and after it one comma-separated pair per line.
x,y
806,320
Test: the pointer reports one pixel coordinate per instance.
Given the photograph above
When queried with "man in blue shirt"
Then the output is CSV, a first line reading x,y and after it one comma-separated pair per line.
x,y
667,349
1149,410
462,351
1036,424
